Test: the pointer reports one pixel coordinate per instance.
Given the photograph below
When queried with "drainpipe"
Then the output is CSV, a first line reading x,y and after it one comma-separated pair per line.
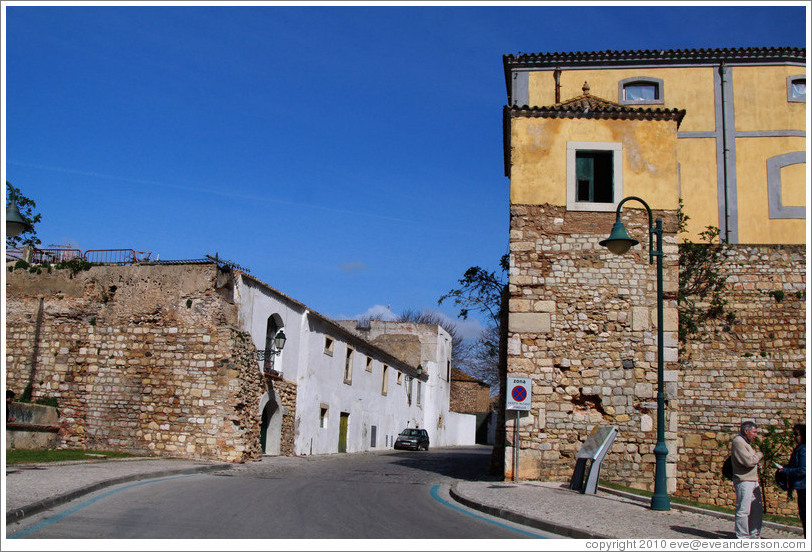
x,y
722,83
557,77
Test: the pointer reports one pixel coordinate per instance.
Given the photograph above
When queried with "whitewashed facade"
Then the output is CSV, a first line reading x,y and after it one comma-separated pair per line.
x,y
351,394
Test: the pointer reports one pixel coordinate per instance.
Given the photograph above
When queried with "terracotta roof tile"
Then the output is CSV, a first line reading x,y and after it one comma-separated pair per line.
x,y
659,57
587,106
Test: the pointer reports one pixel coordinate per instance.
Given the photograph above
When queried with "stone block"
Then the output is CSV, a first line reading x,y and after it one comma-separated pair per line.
x,y
692,441
514,346
537,323
520,305
544,306
641,319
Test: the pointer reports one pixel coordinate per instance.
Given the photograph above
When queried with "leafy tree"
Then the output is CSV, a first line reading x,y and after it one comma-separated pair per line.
x,y
481,291
702,282
26,207
776,443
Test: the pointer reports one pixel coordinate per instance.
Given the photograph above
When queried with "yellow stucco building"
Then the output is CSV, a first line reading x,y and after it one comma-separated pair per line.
x,y
740,150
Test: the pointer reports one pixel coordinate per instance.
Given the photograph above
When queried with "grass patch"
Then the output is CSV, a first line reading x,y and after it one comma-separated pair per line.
x,y
30,456
784,520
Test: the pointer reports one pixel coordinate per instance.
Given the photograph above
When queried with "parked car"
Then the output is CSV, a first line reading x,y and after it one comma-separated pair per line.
x,y
412,438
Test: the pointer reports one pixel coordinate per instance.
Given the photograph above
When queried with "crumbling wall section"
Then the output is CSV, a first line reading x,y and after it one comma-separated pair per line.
x,y
145,359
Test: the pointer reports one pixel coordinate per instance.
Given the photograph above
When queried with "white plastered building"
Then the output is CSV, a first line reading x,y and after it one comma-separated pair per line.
x,y
350,390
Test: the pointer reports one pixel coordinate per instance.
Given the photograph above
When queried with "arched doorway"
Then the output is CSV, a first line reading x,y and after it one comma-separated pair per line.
x,y
271,430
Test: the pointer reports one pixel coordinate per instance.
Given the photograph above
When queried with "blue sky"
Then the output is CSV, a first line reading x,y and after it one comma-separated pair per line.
x,y
350,156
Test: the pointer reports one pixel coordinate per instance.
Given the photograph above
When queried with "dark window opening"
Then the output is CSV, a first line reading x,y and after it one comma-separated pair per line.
x,y
594,176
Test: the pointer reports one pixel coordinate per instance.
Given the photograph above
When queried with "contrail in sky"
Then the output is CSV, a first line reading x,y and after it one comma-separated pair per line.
x,y
197,189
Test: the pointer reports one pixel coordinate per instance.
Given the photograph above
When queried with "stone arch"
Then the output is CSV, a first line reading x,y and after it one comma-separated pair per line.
x,y
273,326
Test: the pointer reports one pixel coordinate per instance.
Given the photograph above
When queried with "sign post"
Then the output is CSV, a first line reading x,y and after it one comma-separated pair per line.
x,y
519,396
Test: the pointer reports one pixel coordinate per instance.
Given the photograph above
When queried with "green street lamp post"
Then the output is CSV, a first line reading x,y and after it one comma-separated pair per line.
x,y
618,243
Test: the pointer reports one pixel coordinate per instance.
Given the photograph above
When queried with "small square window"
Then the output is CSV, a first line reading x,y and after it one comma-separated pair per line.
x,y
640,90
594,176
796,88
328,346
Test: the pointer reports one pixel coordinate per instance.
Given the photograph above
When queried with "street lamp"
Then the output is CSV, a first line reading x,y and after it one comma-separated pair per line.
x,y
266,356
15,223
618,243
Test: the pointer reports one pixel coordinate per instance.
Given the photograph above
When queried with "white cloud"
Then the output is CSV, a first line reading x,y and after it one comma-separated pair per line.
x,y
354,266
378,312
467,329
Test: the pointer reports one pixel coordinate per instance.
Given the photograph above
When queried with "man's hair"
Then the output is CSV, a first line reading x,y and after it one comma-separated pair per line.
x,y
9,394
800,429
747,425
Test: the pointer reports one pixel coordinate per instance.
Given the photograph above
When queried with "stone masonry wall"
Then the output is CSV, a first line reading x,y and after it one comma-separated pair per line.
x,y
582,325
143,359
754,371
287,391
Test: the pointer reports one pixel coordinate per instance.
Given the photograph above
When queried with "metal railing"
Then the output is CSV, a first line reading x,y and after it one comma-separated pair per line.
x,y
42,256
57,254
116,256
53,255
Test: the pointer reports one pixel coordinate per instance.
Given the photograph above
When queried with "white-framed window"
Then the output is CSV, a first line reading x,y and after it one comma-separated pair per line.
x,y
419,391
796,88
348,366
328,345
369,364
385,380
400,378
641,91
594,175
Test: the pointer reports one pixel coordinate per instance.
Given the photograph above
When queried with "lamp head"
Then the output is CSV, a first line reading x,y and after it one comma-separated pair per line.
x,y
279,340
619,240
15,224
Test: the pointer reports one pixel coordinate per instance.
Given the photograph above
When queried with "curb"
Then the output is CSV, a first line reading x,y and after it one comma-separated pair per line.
x,y
694,509
20,513
562,530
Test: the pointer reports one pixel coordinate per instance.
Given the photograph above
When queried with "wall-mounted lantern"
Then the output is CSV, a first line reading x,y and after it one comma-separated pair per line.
x,y
266,356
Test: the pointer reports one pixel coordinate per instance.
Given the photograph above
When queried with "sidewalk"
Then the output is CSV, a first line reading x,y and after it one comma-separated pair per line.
x,y
32,488
607,514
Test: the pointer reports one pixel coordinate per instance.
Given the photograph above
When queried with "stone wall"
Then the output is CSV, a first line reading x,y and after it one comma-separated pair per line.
x,y
756,370
468,395
287,395
582,325
144,359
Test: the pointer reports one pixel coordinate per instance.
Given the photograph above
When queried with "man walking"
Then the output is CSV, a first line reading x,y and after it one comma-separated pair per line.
x,y
745,480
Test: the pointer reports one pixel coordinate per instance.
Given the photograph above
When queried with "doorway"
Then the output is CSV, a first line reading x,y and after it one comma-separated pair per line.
x,y
270,437
342,431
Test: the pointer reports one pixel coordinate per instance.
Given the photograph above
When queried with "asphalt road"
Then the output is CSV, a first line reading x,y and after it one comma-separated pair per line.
x,y
384,495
